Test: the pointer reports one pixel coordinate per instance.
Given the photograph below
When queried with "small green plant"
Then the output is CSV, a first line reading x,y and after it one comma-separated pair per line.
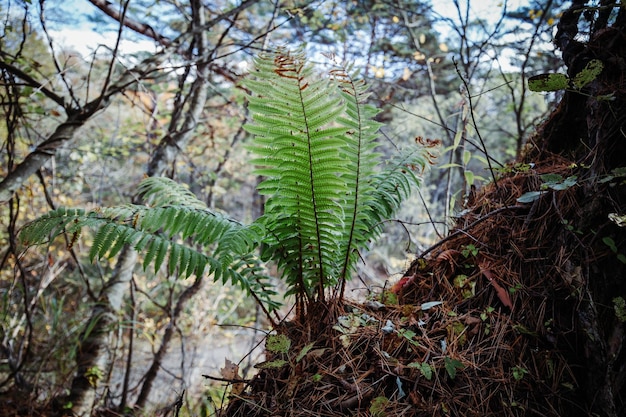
x,y
518,372
278,343
611,244
425,369
328,193
93,375
452,365
466,285
515,288
469,250
408,335
570,227
554,182
378,405
486,313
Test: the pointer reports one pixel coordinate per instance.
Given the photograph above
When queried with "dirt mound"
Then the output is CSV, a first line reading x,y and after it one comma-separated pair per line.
x,y
497,319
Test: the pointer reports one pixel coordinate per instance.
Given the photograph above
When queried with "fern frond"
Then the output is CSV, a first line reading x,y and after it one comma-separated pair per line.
x,y
297,142
362,159
51,225
158,233
394,184
315,144
162,191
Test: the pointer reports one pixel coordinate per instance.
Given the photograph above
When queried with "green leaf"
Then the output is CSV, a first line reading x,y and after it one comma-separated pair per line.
x,y
450,165
452,365
557,183
425,369
588,74
548,82
608,241
304,351
408,335
378,406
530,196
518,372
467,155
278,343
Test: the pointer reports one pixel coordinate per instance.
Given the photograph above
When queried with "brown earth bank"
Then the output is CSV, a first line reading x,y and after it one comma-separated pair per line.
x,y
518,312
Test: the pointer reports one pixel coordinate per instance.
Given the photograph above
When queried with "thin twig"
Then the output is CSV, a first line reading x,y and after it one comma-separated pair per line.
x,y
468,227
480,138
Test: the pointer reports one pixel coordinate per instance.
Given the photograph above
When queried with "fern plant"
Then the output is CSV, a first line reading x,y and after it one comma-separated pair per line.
x,y
172,215
328,192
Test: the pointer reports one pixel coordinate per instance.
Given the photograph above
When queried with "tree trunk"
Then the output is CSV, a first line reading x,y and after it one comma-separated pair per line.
x,y
95,350
589,127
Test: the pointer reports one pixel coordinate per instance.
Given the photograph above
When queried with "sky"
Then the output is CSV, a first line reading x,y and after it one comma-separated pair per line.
x,y
84,39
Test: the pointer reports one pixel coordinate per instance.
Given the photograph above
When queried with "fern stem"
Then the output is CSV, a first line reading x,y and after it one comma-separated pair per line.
x,y
320,252
346,261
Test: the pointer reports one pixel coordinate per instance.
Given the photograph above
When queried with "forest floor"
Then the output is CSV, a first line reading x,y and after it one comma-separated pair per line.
x,y
482,323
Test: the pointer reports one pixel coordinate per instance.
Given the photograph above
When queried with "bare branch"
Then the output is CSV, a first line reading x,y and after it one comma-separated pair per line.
x,y
177,137
115,50
32,82
60,72
142,28
65,131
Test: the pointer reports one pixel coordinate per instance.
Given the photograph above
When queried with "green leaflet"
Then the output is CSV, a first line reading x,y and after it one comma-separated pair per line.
x,y
556,81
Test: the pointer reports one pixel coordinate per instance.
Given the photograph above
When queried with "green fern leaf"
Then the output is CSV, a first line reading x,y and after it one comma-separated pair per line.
x,y
362,159
162,191
151,251
154,231
315,144
297,144
102,241
50,225
162,246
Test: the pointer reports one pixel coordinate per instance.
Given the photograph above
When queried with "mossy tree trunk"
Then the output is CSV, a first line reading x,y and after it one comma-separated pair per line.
x,y
588,128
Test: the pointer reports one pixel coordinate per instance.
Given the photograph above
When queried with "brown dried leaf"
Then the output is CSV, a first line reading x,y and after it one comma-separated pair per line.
x,y
230,372
502,294
450,256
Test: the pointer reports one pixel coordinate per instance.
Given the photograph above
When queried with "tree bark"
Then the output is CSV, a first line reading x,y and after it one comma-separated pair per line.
x,y
95,352
589,127
96,348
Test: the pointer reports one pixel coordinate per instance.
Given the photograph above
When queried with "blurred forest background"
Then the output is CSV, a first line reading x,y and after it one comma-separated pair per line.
x,y
95,95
